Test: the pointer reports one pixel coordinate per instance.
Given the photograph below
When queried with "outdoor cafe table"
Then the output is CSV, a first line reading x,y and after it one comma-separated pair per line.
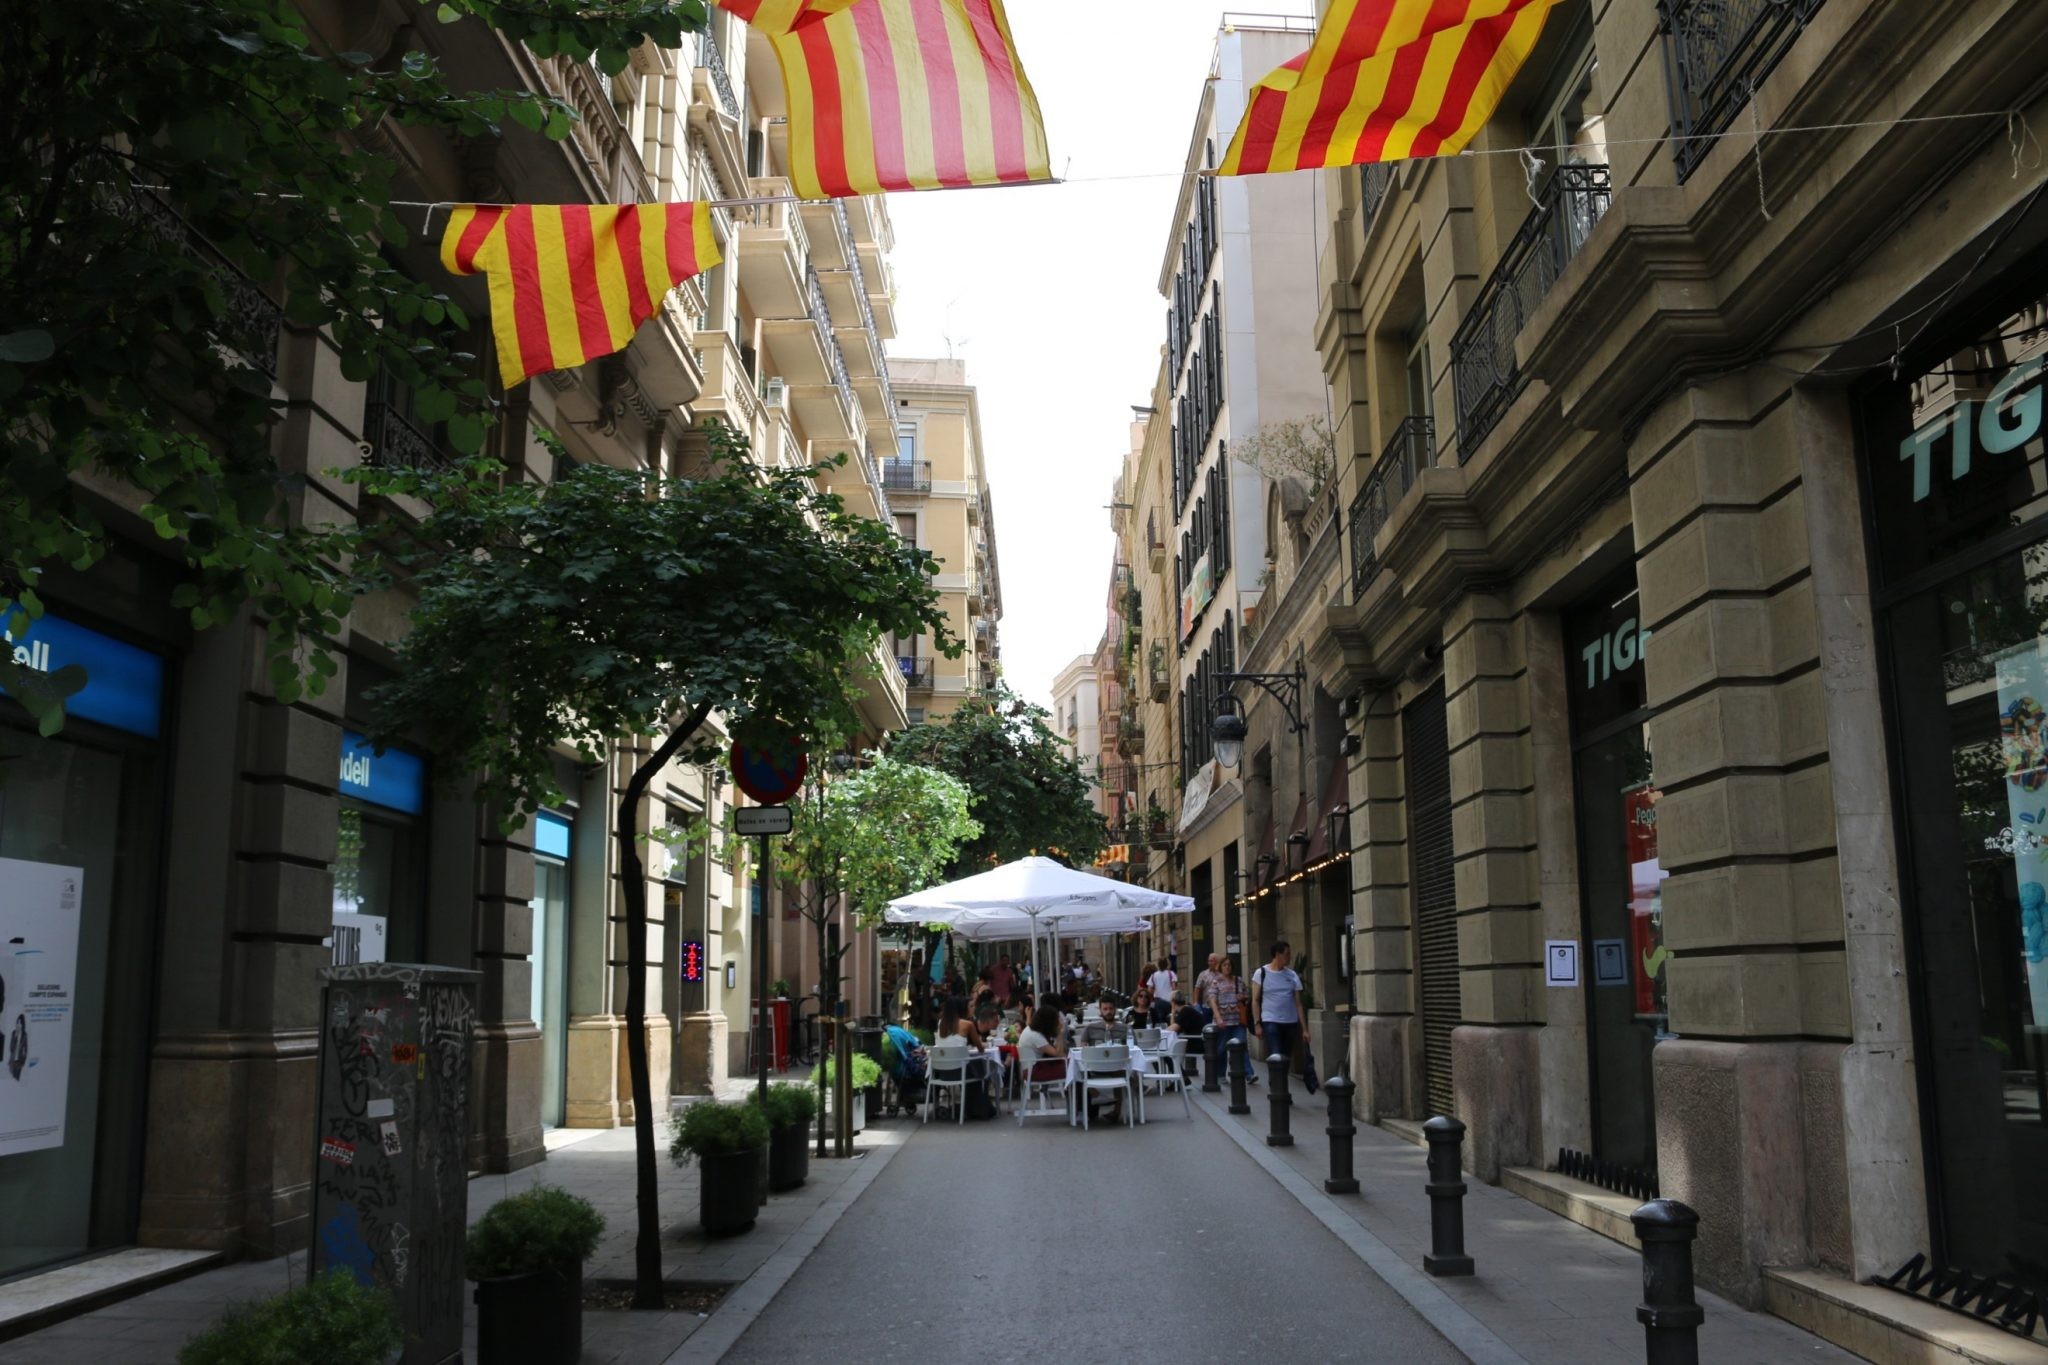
x,y
1139,1065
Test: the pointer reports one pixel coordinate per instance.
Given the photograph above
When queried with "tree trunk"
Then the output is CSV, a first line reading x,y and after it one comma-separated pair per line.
x,y
633,873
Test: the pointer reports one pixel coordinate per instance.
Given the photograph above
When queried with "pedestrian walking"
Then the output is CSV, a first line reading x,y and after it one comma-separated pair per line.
x,y
1229,1009
1004,978
1163,981
1202,979
1276,1004
1172,951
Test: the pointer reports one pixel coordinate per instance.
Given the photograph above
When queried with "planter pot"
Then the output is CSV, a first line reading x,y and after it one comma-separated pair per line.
x,y
531,1319
789,1156
860,1112
729,1191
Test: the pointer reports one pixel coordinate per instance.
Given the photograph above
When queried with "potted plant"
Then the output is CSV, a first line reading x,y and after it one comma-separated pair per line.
x,y
526,1255
335,1320
729,1141
867,1074
789,1108
779,989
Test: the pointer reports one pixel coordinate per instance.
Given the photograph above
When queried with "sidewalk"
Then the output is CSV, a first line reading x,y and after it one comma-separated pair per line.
x,y
1544,1289
149,1329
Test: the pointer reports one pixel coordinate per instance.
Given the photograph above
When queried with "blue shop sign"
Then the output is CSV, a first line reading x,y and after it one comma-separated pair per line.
x,y
124,686
394,779
551,835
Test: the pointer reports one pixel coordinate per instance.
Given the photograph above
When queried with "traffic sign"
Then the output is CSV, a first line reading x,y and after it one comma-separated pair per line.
x,y
771,772
761,820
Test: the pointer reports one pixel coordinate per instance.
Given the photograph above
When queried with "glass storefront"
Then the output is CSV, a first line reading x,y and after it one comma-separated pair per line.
x,y
1621,881
1954,458
80,822
550,959
380,856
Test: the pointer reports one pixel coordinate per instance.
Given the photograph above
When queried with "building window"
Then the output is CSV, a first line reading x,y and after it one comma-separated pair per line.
x,y
906,440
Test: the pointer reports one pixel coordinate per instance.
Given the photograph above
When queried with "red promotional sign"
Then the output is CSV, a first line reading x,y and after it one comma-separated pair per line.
x,y
693,960
770,770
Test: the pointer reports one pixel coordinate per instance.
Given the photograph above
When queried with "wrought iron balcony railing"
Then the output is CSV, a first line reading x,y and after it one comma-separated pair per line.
x,y
835,359
907,476
1485,377
709,57
395,442
254,322
1716,52
916,669
1412,448
1375,178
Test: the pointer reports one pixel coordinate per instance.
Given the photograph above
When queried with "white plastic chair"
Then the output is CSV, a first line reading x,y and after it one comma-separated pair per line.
x,y
1107,1069
1147,1038
1055,1082
946,1069
1167,1075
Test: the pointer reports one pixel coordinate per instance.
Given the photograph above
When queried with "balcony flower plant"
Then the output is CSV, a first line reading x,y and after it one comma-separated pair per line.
x,y
526,1255
729,1140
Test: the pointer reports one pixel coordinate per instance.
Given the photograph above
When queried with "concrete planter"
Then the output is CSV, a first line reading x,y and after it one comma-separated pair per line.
x,y
729,1190
531,1319
789,1157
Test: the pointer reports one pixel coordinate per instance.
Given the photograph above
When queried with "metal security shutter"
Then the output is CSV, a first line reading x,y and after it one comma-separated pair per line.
x,y
1433,884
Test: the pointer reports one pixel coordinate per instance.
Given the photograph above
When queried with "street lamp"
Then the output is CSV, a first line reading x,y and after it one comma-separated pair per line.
x,y
1228,732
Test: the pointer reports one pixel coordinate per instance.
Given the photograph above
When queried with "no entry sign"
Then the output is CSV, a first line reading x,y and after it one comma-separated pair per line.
x,y
770,771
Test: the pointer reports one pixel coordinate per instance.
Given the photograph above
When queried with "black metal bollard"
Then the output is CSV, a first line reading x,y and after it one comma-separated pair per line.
x,y
1236,1064
1209,1059
1446,1198
1278,1101
1670,1316
1341,1180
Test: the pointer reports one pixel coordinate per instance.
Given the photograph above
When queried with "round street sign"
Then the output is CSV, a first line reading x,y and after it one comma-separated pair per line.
x,y
771,773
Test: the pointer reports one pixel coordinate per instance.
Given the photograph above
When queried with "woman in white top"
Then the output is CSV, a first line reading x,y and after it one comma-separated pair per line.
x,y
1040,1042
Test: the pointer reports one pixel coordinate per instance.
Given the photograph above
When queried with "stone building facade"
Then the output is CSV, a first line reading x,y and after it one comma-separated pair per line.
x,y
290,842
1671,610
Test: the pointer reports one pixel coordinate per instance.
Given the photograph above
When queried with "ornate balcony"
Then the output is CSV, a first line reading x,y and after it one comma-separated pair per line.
x,y
395,443
1716,52
1485,375
1412,448
907,476
713,61
916,670
1375,178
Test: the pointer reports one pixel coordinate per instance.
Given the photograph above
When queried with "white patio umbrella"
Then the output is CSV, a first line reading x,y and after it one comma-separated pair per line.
x,y
1016,897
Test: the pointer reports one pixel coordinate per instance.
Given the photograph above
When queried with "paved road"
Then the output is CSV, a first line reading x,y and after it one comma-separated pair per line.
x,y
991,1243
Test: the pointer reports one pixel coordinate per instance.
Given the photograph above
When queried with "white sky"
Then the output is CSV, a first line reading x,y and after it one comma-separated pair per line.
x,y
1051,295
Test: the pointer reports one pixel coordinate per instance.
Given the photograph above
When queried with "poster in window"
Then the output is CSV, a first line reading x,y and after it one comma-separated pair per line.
x,y
2023,754
39,909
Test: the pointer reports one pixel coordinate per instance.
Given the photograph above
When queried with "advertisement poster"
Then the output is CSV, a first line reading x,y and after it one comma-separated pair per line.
x,y
39,909
2023,751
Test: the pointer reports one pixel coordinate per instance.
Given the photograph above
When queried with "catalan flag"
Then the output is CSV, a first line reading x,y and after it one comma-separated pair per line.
x,y
901,95
571,282
1385,80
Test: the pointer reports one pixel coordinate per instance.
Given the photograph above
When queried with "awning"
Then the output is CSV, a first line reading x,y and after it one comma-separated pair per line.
x,y
1265,872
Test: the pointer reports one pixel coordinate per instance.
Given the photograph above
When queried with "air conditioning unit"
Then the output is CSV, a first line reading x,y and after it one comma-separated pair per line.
x,y
775,392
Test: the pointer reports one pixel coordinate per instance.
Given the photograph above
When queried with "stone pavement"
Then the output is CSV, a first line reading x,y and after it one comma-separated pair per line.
x,y
1553,1292
149,1329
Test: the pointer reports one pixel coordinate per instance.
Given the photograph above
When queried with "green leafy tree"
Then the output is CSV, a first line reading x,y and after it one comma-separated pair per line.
x,y
612,603
1030,794
184,178
862,838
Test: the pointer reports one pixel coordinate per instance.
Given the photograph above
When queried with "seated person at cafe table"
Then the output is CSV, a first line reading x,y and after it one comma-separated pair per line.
x,y
1187,1020
1040,1054
1140,1015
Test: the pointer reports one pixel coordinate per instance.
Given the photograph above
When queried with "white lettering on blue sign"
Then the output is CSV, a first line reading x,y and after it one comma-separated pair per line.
x,y
395,778
2006,420
123,685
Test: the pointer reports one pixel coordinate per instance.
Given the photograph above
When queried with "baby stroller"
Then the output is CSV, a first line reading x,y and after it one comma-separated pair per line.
x,y
903,1059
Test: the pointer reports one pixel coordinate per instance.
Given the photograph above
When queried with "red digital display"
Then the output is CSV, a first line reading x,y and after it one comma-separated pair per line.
x,y
693,960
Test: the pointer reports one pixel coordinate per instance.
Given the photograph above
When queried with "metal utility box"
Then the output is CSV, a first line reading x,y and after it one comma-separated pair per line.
x,y
391,1150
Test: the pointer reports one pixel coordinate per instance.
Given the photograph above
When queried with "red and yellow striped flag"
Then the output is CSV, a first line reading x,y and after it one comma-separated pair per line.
x,y
1384,80
901,95
571,282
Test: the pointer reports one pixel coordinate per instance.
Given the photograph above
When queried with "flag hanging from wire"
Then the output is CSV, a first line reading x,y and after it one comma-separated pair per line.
x,y
1384,80
571,282
901,95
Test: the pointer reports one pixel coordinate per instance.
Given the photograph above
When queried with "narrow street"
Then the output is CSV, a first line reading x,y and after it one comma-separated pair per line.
x,y
992,1243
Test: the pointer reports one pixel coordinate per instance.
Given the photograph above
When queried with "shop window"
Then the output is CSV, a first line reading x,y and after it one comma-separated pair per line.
x,y
1955,463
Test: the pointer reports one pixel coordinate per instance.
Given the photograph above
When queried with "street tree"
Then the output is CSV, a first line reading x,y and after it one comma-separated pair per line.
x,y
612,603
184,178
1030,794
860,838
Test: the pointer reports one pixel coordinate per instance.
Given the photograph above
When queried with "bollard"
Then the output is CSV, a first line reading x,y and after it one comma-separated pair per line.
x,y
1446,1198
1670,1316
1236,1064
1209,1084
1278,1102
1341,1180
